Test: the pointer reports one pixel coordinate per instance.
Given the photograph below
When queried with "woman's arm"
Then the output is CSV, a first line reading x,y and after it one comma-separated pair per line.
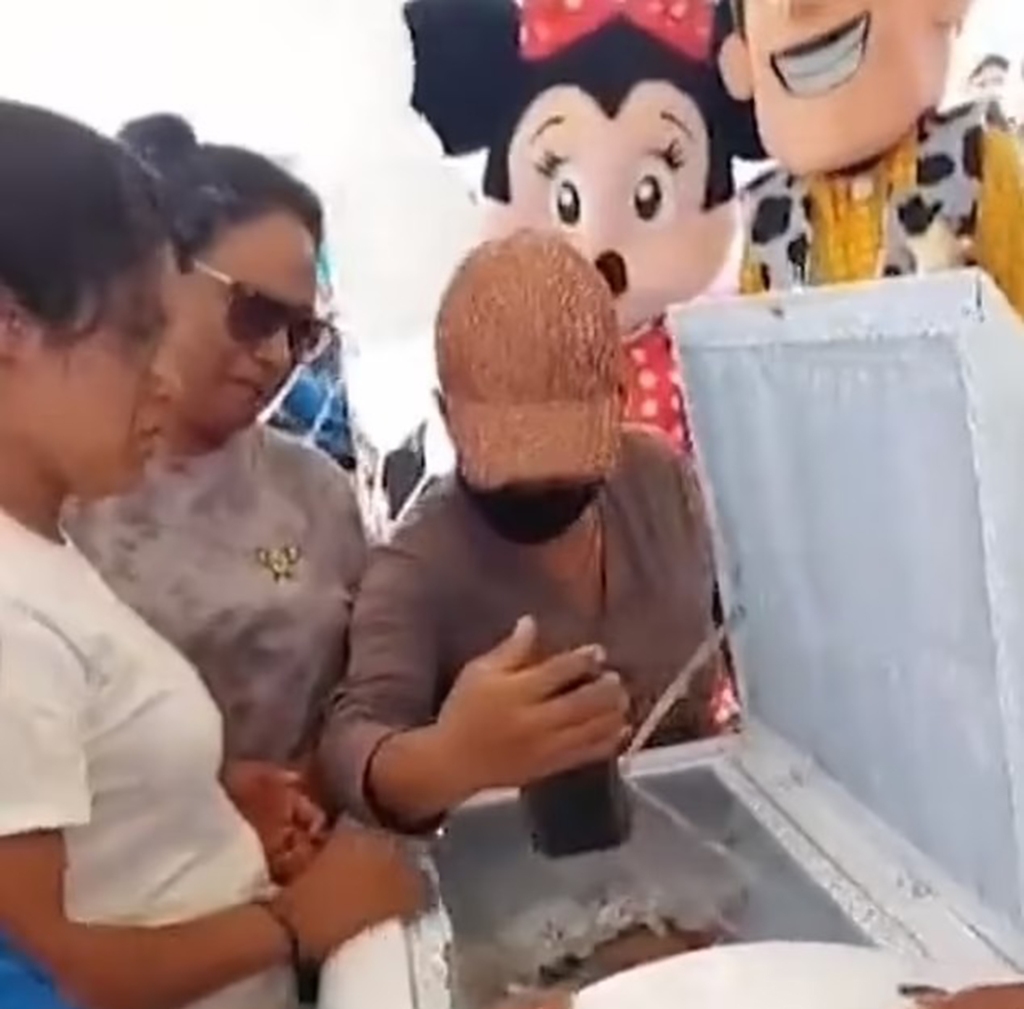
x,y
46,698
276,803
102,967
338,536
327,494
390,688
415,780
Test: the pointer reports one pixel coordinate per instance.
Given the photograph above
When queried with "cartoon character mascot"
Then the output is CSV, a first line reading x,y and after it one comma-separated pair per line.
x,y
872,179
608,121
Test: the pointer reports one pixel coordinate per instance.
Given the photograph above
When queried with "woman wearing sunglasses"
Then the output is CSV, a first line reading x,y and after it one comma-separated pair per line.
x,y
126,875
242,547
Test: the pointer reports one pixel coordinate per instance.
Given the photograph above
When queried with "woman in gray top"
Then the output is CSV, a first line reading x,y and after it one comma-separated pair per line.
x,y
242,547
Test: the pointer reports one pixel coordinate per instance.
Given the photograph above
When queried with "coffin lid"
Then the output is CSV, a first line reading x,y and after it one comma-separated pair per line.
x,y
863,455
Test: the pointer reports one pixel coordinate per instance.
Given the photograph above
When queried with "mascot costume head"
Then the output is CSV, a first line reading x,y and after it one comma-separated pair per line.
x,y
873,179
608,121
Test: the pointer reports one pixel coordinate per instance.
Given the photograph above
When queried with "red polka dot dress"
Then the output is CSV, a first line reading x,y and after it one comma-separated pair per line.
x,y
654,400
654,389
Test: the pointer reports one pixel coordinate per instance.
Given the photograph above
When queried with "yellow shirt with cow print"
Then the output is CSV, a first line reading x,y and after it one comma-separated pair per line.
x,y
849,219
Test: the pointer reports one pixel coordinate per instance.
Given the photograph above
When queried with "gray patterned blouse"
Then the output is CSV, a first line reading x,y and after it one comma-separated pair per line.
x,y
248,560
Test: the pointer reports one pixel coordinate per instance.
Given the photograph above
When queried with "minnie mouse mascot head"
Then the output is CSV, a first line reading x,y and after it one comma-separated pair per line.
x,y
607,120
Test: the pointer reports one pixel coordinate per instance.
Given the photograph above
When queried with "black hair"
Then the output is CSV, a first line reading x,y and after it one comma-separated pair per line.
x,y
473,86
159,140
208,189
992,61
81,227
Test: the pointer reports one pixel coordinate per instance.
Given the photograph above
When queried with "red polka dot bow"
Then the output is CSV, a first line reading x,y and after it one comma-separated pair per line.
x,y
548,26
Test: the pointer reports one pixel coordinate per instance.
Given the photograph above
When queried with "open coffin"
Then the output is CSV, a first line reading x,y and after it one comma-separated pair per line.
x,y
861,446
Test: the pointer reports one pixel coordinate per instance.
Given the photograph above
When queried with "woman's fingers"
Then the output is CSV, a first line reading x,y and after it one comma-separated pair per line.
x,y
595,741
291,862
307,815
602,697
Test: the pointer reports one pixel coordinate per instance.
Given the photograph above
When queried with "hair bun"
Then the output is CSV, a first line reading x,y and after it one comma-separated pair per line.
x,y
163,141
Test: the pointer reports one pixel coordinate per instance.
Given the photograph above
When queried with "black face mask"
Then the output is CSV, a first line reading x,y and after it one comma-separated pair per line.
x,y
529,516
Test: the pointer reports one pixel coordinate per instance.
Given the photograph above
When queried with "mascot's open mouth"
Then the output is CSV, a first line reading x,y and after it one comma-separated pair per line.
x,y
824,63
613,268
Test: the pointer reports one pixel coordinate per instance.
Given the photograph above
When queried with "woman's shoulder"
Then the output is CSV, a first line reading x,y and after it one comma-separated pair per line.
x,y
284,449
649,455
46,644
322,493
654,474
433,537
305,469
50,595
433,520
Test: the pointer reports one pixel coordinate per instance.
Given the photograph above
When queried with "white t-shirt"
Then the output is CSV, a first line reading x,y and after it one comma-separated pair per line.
x,y
108,735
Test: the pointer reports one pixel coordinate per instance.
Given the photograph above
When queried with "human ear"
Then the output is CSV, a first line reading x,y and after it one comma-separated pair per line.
x,y
734,66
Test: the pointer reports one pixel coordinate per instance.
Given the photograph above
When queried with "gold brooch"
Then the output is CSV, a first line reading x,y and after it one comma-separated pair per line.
x,y
280,562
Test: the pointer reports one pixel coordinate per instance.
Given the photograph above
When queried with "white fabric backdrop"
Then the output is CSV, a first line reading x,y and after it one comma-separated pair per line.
x,y
326,82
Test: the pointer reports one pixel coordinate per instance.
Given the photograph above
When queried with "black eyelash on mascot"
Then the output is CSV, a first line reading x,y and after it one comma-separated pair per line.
x,y
473,82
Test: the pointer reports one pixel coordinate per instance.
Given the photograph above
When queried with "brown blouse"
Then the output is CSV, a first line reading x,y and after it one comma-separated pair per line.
x,y
447,589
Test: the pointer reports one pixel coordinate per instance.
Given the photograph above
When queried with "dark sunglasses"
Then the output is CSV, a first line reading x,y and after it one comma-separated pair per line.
x,y
255,317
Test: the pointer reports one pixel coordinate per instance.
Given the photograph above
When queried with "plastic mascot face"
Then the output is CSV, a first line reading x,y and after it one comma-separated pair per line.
x,y
837,83
627,190
613,128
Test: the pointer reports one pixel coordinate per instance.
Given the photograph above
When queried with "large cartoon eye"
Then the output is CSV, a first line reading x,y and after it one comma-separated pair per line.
x,y
565,194
567,203
654,194
648,198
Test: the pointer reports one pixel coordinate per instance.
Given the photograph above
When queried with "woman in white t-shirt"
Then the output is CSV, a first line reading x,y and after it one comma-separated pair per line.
x,y
125,871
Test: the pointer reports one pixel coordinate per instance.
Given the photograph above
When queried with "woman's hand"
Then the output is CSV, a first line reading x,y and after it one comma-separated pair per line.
x,y
508,721
358,879
511,720
290,825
